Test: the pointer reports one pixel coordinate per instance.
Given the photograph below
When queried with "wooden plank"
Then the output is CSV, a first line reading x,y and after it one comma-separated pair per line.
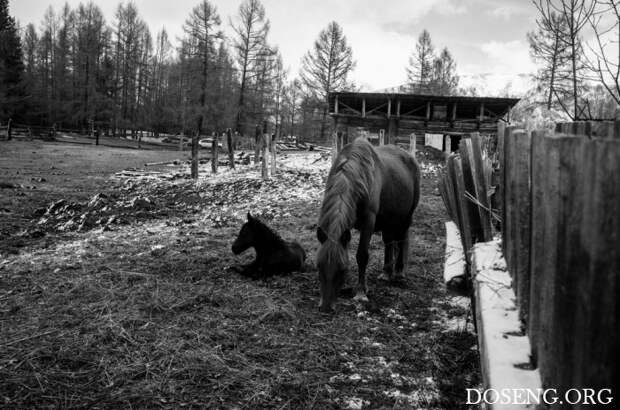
x,y
481,186
382,137
571,202
520,185
466,155
363,107
412,144
459,184
539,158
596,261
545,272
336,105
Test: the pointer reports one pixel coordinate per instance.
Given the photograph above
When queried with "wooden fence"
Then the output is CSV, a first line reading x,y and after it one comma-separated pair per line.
x,y
558,194
561,241
465,189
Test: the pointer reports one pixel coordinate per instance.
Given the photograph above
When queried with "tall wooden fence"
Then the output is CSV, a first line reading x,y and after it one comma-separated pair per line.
x,y
561,240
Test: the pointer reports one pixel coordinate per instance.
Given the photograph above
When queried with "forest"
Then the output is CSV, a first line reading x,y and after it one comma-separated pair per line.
x,y
78,71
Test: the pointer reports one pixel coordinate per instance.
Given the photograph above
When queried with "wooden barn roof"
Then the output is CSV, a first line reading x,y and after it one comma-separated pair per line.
x,y
431,113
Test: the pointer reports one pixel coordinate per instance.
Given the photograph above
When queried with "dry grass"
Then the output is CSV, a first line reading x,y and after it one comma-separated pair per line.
x,y
146,315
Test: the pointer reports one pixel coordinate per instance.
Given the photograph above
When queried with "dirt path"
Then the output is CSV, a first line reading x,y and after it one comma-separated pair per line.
x,y
146,314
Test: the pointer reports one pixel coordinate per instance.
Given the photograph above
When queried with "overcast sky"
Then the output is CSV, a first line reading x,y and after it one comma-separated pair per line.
x,y
486,37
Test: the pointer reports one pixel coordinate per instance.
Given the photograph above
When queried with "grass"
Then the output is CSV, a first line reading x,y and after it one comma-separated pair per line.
x,y
146,314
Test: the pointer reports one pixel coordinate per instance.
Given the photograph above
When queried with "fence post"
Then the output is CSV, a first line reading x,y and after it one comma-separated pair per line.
x,y
8,130
214,153
272,149
412,142
264,151
231,148
181,141
194,172
335,146
381,137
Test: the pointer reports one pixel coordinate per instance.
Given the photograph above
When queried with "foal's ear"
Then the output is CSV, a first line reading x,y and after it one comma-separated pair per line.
x,y
249,216
345,238
321,235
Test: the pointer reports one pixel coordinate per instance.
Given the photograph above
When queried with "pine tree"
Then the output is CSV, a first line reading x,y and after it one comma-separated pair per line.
x,y
326,67
419,72
444,80
11,66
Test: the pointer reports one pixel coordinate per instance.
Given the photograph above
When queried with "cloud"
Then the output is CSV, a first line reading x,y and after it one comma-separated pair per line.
x,y
506,11
509,56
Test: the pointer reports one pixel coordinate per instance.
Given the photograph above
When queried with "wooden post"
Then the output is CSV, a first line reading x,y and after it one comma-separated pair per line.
x,y
428,112
392,133
334,146
8,130
231,148
265,158
194,172
412,142
258,139
363,107
214,153
272,146
398,108
389,108
181,142
336,104
381,137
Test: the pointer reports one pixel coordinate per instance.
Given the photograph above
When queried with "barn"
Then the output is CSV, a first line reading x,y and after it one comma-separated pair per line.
x,y
435,120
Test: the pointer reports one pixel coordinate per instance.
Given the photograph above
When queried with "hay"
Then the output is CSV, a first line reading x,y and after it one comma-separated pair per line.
x,y
146,315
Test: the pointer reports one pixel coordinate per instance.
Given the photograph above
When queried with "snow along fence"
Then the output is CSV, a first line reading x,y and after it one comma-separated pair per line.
x,y
560,193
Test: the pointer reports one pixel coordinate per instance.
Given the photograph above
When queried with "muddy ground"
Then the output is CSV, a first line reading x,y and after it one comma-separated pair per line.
x,y
115,292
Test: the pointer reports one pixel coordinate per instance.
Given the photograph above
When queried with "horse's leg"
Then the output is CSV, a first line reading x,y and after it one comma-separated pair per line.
x,y
402,256
388,260
362,259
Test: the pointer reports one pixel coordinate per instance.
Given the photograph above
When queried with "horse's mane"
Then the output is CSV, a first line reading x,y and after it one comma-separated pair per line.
x,y
349,180
268,232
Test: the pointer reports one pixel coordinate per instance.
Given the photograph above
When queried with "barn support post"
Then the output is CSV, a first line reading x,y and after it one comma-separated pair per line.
x,y
412,142
8,129
381,137
194,172
231,148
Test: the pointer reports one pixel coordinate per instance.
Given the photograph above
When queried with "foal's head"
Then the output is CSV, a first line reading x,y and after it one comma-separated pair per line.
x,y
248,235
332,262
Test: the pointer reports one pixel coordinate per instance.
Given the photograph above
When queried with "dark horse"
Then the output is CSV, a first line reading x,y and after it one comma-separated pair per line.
x,y
372,190
274,255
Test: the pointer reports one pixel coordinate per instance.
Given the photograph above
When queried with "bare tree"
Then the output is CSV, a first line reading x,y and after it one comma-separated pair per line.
x,y
547,48
251,46
606,61
325,68
201,31
575,14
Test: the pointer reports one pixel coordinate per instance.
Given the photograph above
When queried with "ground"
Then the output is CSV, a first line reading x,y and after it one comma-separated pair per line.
x,y
115,292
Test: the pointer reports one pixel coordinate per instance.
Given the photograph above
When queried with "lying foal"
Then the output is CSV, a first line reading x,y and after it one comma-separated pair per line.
x,y
274,255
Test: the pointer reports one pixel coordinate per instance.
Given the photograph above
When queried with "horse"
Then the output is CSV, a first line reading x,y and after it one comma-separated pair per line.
x,y
371,190
274,255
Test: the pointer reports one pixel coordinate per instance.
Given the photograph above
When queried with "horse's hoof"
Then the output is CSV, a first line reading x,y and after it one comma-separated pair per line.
x,y
361,297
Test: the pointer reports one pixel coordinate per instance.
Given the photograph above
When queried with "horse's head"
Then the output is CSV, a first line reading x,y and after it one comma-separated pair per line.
x,y
246,237
333,263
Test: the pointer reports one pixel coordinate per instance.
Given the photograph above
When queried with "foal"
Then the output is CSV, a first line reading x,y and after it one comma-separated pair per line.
x,y
274,255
